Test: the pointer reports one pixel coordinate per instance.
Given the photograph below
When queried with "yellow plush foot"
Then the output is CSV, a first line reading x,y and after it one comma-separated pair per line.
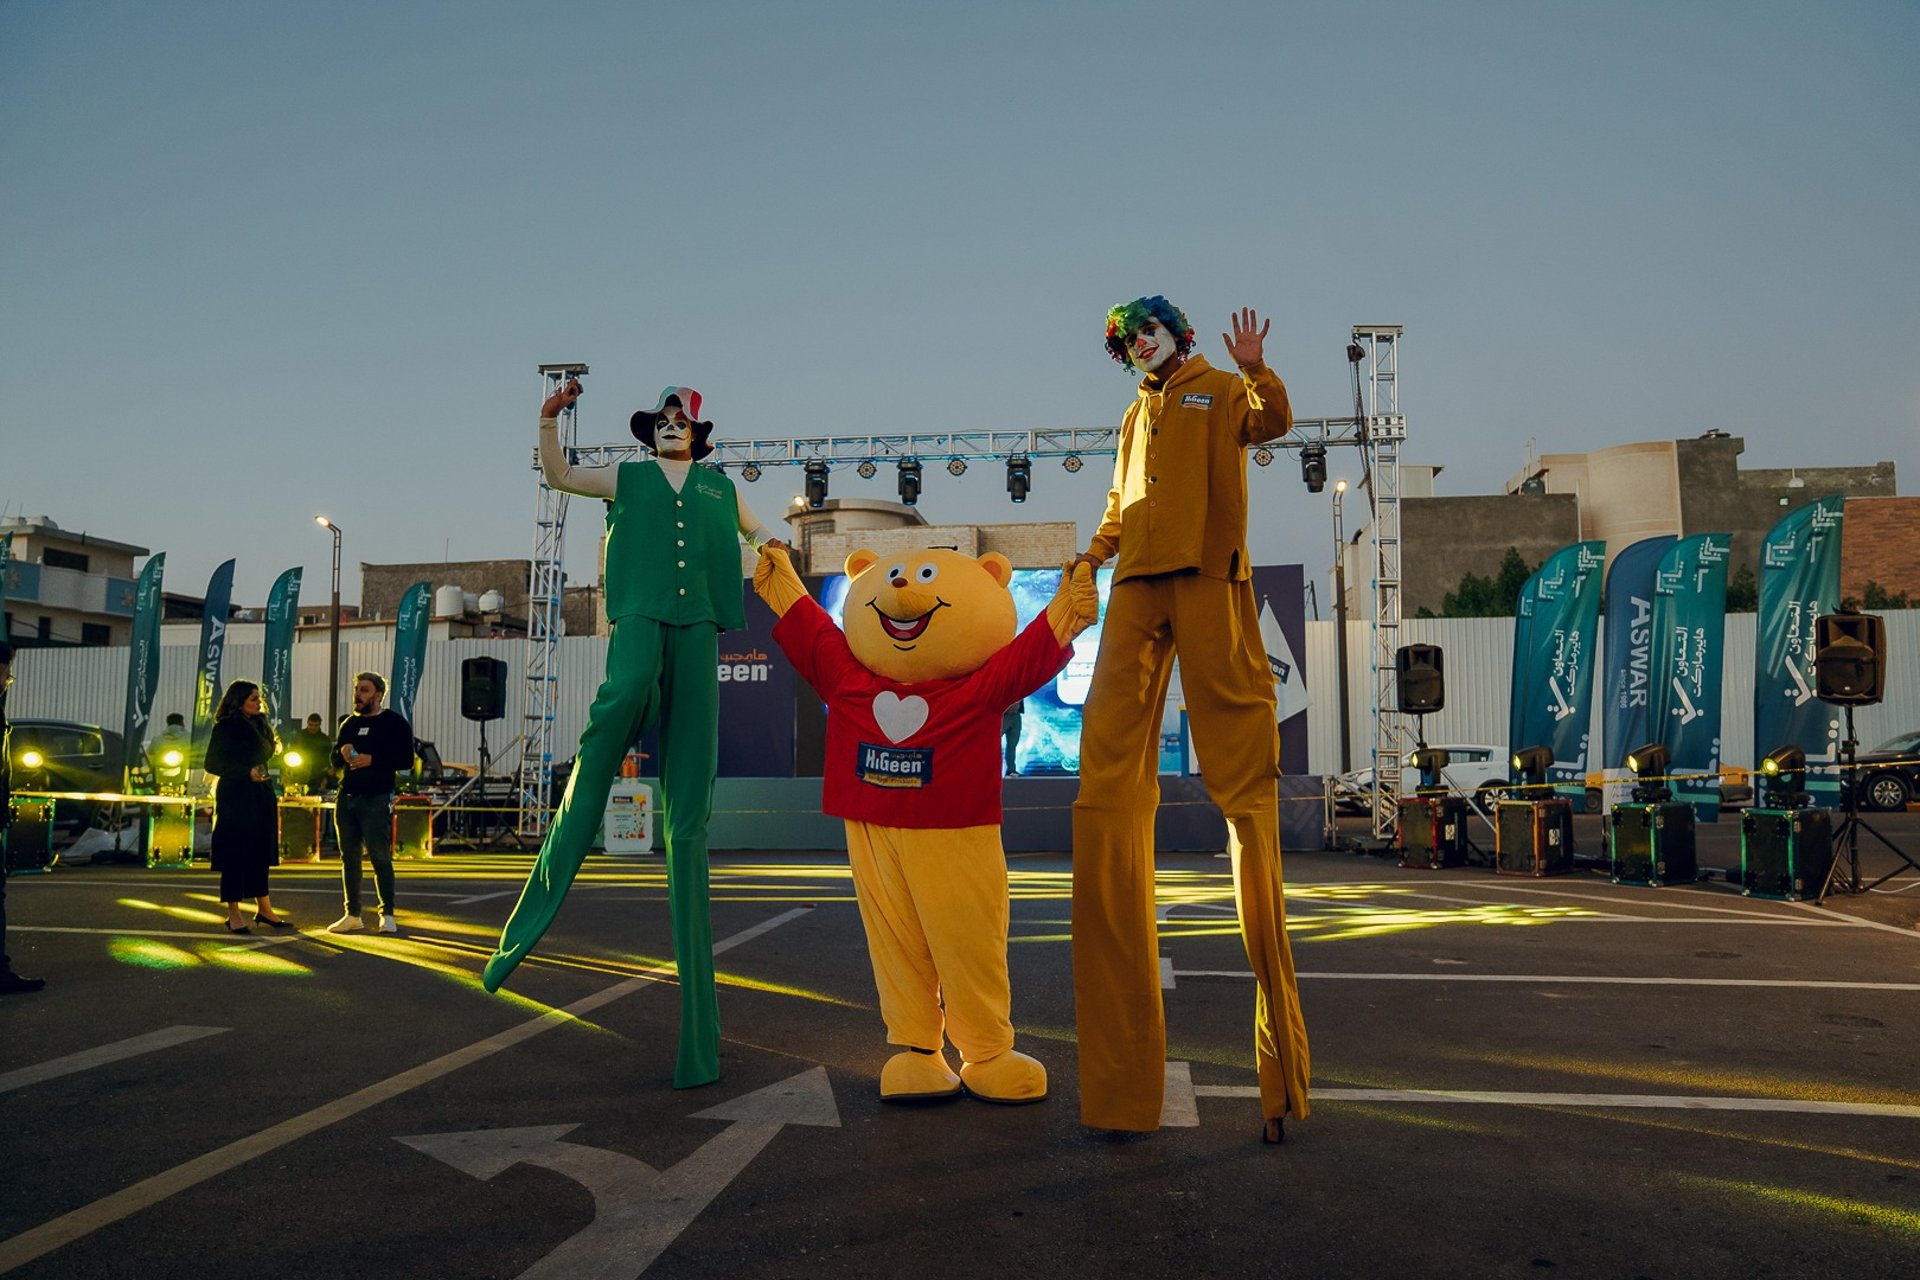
x,y
917,1077
1011,1077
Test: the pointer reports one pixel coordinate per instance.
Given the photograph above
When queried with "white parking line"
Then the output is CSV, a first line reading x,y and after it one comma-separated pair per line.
x,y
68,1227
165,1038
1558,979
483,897
1655,1100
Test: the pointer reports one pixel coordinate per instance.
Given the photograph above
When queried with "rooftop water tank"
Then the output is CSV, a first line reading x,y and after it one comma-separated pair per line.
x,y
492,602
448,602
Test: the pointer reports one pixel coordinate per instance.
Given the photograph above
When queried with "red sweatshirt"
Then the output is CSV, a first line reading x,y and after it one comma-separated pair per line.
x,y
914,755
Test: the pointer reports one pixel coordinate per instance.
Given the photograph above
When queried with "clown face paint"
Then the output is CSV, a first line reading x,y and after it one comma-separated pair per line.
x,y
1151,346
673,438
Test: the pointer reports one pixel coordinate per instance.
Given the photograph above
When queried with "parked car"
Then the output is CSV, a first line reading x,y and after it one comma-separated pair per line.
x,y
64,755
1890,773
1473,768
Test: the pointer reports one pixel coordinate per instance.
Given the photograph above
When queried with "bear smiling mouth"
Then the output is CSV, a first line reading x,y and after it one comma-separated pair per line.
x,y
908,631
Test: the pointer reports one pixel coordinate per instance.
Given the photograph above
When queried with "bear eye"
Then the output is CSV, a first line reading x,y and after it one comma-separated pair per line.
x,y
896,571
928,572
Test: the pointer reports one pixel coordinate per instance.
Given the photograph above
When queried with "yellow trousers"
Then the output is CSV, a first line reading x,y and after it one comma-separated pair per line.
x,y
1116,964
934,903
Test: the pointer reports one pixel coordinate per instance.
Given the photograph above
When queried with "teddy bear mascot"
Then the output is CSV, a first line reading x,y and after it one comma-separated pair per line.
x,y
1177,519
673,583
915,688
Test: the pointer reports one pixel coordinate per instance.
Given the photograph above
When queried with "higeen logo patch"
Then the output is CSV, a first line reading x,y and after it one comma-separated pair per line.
x,y
1196,400
898,767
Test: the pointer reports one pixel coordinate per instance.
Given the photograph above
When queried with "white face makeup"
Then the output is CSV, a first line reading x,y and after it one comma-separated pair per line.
x,y
672,437
1151,346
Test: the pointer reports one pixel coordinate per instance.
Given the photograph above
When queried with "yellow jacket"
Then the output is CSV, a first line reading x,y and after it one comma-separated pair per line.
x,y
1179,496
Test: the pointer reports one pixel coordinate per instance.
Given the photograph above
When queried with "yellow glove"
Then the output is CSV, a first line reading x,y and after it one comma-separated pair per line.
x,y
1076,605
775,582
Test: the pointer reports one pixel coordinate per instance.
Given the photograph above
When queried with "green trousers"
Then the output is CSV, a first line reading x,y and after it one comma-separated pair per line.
x,y
654,672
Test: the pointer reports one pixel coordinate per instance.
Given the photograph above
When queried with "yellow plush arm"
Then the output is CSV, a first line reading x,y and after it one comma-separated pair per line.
x,y
1076,605
775,582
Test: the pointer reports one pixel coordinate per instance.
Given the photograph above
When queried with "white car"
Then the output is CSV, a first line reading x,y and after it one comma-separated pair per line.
x,y
1475,769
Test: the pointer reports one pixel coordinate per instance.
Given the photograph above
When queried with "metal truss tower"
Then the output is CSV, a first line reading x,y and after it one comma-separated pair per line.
x,y
546,580
1381,433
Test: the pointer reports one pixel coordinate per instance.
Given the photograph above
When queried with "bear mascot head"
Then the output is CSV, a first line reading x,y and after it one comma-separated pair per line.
x,y
927,613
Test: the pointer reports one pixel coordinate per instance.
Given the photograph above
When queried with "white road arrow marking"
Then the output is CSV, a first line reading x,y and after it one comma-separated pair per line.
x,y
638,1210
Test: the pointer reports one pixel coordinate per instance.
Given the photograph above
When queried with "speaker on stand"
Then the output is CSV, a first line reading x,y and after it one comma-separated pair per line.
x,y
483,698
1850,670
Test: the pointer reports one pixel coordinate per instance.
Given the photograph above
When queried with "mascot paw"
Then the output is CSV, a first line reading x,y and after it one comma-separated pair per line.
x,y
1011,1077
917,1077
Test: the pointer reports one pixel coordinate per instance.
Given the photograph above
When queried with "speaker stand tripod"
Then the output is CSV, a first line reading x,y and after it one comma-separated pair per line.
x,y
1851,825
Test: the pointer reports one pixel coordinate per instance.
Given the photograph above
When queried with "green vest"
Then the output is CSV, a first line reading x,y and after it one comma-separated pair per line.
x,y
674,557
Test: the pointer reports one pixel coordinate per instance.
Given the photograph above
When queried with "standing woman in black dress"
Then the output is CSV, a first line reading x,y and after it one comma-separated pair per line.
x,y
246,825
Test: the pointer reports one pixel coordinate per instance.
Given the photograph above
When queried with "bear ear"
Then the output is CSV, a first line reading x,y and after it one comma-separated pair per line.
x,y
998,567
860,561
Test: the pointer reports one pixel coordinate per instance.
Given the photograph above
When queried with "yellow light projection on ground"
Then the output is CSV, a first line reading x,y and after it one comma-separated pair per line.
x,y
146,953
1716,1081
1342,923
1903,1221
1703,1128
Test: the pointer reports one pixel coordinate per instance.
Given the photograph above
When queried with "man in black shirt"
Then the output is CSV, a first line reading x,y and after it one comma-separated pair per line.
x,y
11,983
372,746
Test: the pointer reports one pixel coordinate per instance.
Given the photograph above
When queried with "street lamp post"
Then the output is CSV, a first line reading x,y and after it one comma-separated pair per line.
x,y
1340,624
333,632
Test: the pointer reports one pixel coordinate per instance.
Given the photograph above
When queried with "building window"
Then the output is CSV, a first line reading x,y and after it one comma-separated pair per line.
x,y
46,627
55,558
96,633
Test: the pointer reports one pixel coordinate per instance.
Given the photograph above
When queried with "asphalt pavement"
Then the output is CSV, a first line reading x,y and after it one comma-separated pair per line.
x,y
1513,1076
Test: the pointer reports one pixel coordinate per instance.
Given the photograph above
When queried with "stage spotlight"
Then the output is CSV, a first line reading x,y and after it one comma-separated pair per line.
x,y
910,481
956,466
1429,761
1531,764
1019,476
292,759
866,469
1263,456
1649,765
31,759
173,758
750,472
1313,465
1071,462
816,484
1785,771
1355,353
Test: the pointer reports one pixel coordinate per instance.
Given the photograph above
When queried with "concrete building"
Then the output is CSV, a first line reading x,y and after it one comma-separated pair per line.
x,y
67,588
823,539
493,597
1623,494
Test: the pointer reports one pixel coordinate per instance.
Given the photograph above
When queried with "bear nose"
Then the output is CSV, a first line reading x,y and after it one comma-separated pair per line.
x,y
897,583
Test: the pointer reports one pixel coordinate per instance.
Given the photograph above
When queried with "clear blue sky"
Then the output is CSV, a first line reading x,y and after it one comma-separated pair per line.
x,y
263,260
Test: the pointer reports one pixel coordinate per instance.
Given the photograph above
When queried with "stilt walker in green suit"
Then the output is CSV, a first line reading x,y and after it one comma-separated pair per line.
x,y
673,583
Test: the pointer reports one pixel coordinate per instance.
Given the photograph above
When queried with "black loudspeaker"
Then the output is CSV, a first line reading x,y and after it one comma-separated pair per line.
x,y
483,688
1418,679
1849,658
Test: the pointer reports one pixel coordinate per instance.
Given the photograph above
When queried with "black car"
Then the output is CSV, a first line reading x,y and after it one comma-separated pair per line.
x,y
63,755
1890,773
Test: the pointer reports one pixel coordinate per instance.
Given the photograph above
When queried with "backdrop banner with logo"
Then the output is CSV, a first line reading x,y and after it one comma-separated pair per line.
x,y
1799,580
1689,652
1627,683
409,648
283,610
1555,683
143,661
213,644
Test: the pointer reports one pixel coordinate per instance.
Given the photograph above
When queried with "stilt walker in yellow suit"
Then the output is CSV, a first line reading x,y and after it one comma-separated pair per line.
x,y
1177,519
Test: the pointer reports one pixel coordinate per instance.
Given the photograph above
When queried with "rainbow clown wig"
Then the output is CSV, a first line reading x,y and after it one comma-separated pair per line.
x,y
1129,318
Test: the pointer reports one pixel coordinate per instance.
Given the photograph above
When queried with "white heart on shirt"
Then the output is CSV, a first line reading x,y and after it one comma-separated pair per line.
x,y
899,718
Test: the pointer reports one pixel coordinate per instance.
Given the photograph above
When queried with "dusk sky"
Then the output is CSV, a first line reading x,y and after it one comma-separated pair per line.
x,y
259,261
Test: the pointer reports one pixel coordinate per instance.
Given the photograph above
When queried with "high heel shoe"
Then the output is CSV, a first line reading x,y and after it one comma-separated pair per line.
x,y
273,922
232,929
